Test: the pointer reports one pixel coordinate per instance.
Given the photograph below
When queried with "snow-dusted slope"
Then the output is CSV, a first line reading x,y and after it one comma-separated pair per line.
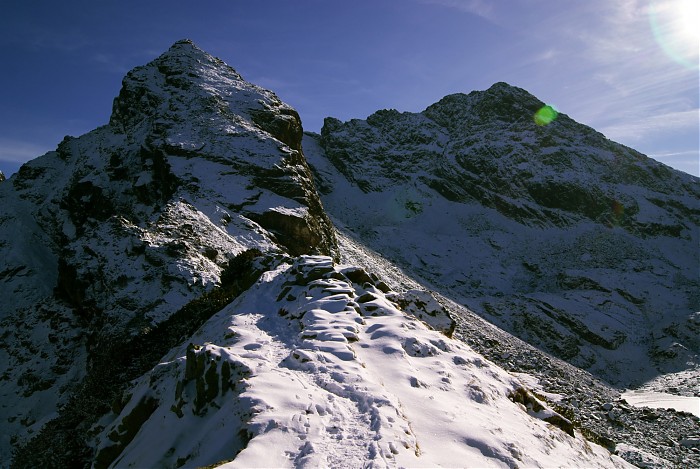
x,y
598,409
119,228
572,242
315,366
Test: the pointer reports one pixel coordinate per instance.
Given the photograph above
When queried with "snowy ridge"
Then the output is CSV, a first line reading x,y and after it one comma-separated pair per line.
x,y
329,372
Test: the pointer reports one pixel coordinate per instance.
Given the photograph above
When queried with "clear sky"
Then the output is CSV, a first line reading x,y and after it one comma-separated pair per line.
x,y
628,68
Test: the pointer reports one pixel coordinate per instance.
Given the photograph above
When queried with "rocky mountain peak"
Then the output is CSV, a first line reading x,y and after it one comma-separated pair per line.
x,y
500,103
184,56
186,53
117,229
189,104
186,83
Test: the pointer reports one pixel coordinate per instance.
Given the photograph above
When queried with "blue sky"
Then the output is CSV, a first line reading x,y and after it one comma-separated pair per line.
x,y
628,68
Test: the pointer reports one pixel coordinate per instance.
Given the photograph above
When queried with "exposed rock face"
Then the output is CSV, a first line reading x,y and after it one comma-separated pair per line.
x,y
572,242
2,176
425,307
116,230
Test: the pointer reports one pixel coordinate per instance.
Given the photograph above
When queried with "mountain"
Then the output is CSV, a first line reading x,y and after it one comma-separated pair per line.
x,y
175,293
116,230
576,244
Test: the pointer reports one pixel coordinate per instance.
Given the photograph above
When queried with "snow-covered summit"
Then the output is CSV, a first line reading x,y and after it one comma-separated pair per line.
x,y
186,83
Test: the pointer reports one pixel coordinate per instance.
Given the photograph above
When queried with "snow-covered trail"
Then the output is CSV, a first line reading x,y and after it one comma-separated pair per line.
x,y
365,385
327,371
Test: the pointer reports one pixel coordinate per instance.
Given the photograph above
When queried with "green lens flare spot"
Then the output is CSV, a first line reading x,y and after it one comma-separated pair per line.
x,y
545,115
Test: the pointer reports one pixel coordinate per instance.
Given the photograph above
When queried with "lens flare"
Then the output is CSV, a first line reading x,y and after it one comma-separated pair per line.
x,y
676,28
545,115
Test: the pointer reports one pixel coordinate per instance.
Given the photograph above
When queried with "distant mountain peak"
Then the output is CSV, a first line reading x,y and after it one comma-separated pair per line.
x,y
501,102
486,152
503,87
185,41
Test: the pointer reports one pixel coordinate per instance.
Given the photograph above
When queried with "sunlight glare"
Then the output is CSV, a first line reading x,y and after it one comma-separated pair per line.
x,y
689,12
676,28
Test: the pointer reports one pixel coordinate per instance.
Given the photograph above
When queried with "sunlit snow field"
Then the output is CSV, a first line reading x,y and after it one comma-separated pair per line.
x,y
662,400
